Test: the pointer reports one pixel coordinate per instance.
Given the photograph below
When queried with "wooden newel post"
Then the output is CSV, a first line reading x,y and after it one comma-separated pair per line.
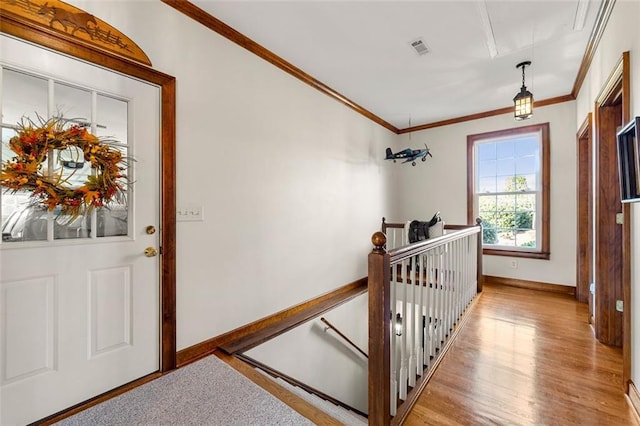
x,y
379,333
480,278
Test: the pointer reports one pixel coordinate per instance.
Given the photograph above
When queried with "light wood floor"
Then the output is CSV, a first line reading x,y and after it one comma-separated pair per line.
x,y
526,357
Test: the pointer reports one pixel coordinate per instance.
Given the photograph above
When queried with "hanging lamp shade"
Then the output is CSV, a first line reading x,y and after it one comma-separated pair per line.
x,y
398,324
523,101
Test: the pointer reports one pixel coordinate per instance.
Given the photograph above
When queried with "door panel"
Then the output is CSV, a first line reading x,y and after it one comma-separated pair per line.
x,y
608,236
28,307
80,303
110,309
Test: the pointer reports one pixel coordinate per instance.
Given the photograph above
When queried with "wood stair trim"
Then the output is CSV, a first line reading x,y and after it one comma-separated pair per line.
x,y
633,398
242,337
251,335
298,404
531,285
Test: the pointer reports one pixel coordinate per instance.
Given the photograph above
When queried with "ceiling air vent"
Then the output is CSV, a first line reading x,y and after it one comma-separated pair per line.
x,y
419,46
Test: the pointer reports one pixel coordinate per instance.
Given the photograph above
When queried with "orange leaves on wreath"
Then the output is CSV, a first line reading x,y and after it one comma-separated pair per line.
x,y
33,143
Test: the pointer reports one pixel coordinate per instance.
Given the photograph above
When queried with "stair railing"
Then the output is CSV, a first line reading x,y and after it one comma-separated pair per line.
x,y
418,293
342,335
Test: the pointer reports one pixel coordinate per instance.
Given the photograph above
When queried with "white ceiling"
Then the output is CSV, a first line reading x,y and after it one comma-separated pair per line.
x,y
361,49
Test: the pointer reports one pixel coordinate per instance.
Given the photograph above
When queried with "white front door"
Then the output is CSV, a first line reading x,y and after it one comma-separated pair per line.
x,y
79,300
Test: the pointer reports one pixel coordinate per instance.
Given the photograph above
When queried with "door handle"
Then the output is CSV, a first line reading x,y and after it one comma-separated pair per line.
x,y
150,252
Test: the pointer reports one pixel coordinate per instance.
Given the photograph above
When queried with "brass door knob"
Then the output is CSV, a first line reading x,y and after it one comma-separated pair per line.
x,y
151,229
150,252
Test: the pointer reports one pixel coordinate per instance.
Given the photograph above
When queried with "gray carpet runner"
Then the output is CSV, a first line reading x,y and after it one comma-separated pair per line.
x,y
207,392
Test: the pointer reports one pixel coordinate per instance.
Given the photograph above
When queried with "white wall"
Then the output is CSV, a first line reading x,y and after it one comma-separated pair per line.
x,y
440,184
291,181
621,35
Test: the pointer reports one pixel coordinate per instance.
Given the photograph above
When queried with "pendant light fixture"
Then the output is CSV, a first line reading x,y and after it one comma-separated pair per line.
x,y
398,324
523,102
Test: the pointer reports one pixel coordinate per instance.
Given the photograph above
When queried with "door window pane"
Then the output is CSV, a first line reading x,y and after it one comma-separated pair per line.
x,y
25,218
23,95
73,103
112,118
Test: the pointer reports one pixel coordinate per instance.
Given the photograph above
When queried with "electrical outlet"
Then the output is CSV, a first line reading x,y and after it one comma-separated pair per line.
x,y
514,264
190,213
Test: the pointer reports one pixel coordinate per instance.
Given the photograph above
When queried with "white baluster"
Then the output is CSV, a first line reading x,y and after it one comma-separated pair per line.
x,y
465,275
459,289
428,300
473,267
435,292
465,279
394,397
445,292
418,321
403,338
452,286
446,278
411,320
471,260
441,300
393,356
460,280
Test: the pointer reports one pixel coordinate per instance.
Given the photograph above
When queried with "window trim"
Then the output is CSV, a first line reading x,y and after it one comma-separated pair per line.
x,y
545,176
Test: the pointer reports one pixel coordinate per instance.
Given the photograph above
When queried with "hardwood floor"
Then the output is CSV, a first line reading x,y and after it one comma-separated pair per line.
x,y
526,357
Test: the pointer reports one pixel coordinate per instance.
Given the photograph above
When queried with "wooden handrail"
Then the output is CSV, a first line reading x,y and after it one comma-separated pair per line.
x,y
401,253
346,339
297,383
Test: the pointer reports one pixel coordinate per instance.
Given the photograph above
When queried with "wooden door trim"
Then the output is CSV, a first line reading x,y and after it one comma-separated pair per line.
x,y
617,86
44,36
584,231
626,238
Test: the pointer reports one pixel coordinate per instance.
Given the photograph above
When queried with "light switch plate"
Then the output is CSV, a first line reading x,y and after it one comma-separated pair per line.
x,y
190,213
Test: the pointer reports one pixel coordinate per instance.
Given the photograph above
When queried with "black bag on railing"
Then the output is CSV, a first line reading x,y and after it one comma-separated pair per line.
x,y
419,231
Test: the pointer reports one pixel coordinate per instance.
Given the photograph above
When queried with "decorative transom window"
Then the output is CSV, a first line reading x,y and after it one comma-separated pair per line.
x,y
508,188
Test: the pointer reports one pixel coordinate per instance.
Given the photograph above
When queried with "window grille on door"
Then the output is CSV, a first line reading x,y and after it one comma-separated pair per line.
x,y
25,96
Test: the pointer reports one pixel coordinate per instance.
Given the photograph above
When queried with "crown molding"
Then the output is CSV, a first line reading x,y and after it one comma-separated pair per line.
x,y
194,12
216,25
485,114
606,7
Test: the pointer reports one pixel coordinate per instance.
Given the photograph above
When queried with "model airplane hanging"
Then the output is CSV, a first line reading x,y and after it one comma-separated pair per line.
x,y
409,155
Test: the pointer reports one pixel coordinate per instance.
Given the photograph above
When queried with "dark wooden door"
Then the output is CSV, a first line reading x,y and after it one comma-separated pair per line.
x,y
608,233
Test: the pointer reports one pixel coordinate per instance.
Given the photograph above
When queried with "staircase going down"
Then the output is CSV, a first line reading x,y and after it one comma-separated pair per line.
x,y
347,417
